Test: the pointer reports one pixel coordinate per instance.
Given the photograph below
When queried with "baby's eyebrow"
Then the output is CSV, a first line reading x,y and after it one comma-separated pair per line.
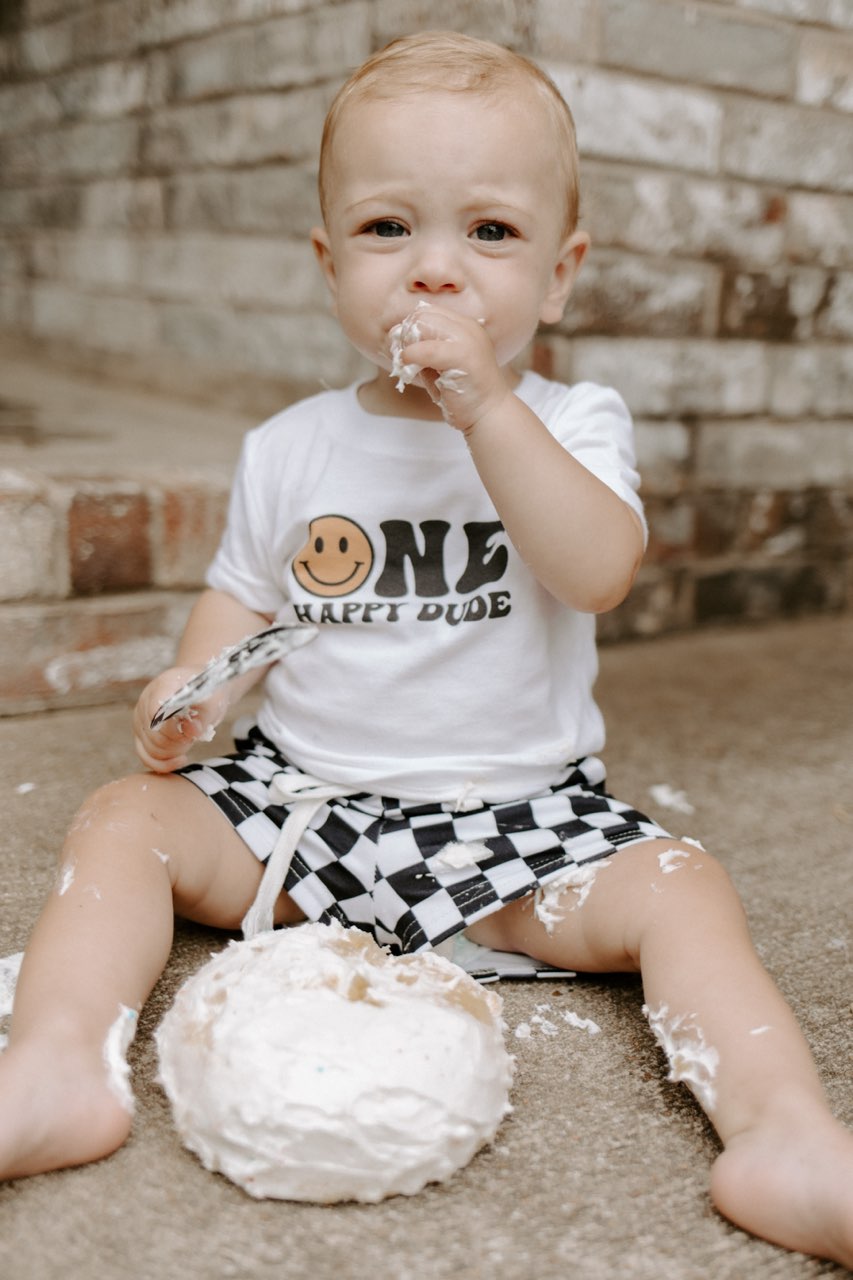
x,y
496,203
386,197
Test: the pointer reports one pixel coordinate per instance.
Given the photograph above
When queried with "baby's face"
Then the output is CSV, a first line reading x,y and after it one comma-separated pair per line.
x,y
453,198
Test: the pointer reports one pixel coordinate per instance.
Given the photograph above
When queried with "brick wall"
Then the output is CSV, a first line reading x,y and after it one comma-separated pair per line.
x,y
97,576
157,162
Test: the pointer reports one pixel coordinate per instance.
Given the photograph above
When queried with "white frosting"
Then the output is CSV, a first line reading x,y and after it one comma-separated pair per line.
x,y
451,380
309,1064
690,1058
545,1025
400,336
672,860
550,902
582,1024
666,796
66,878
10,967
118,1041
459,853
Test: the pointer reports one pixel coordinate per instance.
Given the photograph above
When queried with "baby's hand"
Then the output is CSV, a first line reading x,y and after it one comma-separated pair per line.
x,y
165,748
452,358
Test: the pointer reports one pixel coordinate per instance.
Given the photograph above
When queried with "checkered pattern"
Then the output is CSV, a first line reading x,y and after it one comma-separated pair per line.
x,y
370,862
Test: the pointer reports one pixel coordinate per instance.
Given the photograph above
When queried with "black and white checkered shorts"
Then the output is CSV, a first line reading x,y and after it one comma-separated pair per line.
x,y
415,874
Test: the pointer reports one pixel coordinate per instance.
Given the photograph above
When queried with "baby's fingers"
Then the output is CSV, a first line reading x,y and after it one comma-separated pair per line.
x,y
165,748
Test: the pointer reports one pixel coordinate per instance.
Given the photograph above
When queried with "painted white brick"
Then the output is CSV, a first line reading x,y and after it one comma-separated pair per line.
x,y
835,319
108,89
825,70
165,23
566,32
812,380
774,455
698,44
668,378
45,10
13,259
663,456
77,151
808,292
28,208
9,58
498,20
275,54
239,130
793,145
244,271
674,213
14,307
621,293
111,323
26,106
306,348
234,269
126,203
106,31
820,228
782,304
94,261
33,559
273,198
623,118
834,13
48,48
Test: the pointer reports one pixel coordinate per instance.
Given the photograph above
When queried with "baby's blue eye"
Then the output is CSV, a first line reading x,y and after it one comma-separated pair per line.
x,y
492,231
387,227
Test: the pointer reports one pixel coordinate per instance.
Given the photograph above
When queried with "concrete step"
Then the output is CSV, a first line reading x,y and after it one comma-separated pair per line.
x,y
112,501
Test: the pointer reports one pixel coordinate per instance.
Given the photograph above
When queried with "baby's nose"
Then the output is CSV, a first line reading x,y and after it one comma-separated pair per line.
x,y
435,270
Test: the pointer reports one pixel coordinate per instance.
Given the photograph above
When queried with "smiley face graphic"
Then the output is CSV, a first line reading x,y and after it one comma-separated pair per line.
x,y
336,559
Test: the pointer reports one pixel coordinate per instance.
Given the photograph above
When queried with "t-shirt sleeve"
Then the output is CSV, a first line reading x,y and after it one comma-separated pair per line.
x,y
242,564
594,425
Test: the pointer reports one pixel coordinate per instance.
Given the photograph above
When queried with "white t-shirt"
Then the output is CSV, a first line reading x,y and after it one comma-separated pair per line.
x,y
442,667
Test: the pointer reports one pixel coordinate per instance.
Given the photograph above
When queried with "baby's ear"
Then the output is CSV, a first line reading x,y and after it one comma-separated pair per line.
x,y
568,264
322,247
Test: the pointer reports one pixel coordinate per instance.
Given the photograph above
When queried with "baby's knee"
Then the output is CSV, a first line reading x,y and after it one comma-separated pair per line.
x,y
112,807
680,871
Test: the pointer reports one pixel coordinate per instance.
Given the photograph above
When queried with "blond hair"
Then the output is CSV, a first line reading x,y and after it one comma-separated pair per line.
x,y
451,61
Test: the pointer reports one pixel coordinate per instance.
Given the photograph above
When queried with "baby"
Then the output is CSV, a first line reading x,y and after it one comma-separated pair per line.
x,y
450,531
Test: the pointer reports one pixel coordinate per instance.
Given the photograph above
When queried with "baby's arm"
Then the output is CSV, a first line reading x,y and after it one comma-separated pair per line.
x,y
579,538
217,621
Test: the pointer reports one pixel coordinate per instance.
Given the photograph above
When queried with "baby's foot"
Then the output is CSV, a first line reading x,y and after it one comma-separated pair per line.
x,y
57,1109
791,1181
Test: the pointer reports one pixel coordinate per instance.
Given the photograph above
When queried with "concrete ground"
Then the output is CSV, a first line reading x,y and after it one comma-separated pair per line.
x,y
601,1171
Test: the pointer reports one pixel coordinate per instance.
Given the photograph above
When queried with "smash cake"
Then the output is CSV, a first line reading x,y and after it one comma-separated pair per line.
x,y
310,1064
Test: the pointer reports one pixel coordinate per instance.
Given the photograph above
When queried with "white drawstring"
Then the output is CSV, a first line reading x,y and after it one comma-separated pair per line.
x,y
306,795
466,799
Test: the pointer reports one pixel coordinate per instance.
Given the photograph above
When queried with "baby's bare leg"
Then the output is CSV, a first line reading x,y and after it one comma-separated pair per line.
x,y
139,850
787,1169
